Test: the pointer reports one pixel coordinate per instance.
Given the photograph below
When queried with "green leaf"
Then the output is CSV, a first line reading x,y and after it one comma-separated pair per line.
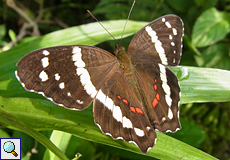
x,y
191,133
61,140
176,5
214,56
13,36
44,115
203,84
4,134
27,142
210,27
10,120
79,147
2,31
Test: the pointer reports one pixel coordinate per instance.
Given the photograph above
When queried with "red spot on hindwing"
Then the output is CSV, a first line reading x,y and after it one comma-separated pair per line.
x,y
136,110
155,102
139,110
158,97
125,101
132,109
119,97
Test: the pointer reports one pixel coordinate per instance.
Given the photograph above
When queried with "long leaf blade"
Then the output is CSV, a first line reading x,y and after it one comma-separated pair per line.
x,y
44,115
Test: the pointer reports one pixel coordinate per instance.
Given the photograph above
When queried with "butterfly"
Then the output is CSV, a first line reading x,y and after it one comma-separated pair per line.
x,y
134,93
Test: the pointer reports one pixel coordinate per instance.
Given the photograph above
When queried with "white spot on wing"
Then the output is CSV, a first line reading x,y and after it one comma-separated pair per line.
x,y
57,76
148,128
108,102
79,101
84,76
168,24
172,43
45,52
163,19
16,74
174,31
170,37
158,44
165,85
168,100
166,88
79,63
174,60
89,88
69,94
43,76
102,98
127,123
139,132
51,99
23,84
77,57
177,129
62,85
45,62
117,114
170,114
82,72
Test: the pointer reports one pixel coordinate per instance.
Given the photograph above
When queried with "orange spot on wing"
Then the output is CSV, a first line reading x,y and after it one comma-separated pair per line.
x,y
158,97
119,97
155,87
155,102
155,80
132,109
125,101
139,110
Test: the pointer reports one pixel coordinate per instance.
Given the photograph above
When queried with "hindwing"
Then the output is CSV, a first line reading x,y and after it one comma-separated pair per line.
x,y
120,112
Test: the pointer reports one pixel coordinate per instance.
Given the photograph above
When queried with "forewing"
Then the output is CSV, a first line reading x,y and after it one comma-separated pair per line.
x,y
70,76
160,41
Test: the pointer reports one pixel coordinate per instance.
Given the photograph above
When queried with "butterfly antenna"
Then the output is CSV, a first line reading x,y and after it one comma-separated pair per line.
x,y
127,19
101,24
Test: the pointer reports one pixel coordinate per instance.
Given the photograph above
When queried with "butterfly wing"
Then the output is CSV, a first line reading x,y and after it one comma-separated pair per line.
x,y
70,76
132,110
119,111
158,44
161,94
160,41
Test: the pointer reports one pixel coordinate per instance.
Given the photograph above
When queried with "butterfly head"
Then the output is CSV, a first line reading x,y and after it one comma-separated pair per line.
x,y
119,49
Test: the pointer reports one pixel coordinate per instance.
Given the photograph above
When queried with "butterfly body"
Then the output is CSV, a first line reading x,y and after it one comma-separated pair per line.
x,y
133,92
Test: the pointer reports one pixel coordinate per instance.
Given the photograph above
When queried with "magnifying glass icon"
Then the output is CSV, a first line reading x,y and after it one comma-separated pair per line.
x,y
9,147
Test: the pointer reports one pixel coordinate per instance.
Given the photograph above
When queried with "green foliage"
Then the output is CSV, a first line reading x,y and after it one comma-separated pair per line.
x,y
206,44
210,27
